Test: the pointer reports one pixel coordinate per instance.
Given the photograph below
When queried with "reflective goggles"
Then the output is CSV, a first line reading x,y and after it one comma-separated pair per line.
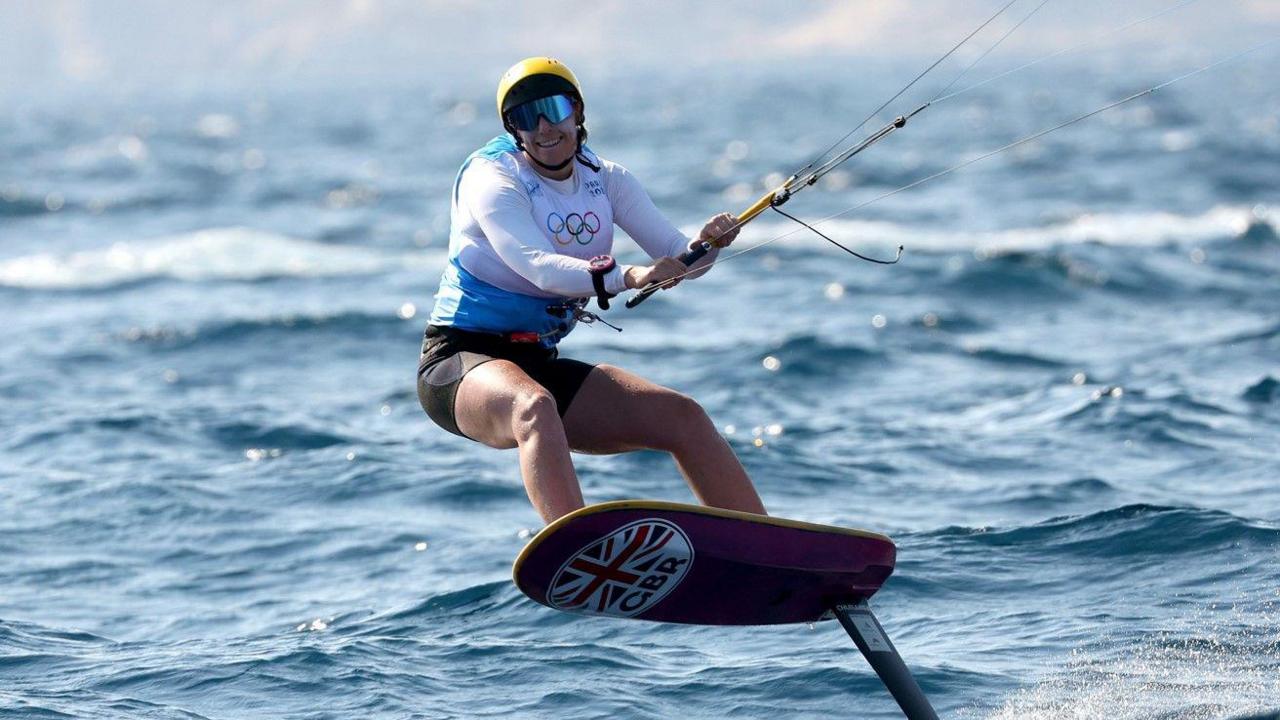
x,y
555,109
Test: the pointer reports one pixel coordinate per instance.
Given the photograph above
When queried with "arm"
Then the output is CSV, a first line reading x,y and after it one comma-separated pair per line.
x,y
634,212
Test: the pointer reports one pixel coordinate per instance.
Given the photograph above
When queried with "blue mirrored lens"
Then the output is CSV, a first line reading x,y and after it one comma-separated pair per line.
x,y
555,109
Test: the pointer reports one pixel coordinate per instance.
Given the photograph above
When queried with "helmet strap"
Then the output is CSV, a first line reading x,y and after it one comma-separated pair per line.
x,y
553,168
582,158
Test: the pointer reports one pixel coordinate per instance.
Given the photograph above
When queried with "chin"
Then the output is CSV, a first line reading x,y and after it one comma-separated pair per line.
x,y
554,158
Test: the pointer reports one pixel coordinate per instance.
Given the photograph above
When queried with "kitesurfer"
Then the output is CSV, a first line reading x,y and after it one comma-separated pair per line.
x,y
531,236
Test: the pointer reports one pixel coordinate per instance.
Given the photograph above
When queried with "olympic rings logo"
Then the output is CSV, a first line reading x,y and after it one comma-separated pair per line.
x,y
575,226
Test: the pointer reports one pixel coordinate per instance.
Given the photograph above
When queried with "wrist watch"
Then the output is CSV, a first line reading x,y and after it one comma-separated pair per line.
x,y
602,265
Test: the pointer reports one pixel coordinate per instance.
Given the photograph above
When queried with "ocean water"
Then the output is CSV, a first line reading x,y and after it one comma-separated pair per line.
x,y
221,499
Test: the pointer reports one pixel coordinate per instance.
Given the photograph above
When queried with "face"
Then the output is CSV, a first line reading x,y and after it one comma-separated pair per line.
x,y
552,144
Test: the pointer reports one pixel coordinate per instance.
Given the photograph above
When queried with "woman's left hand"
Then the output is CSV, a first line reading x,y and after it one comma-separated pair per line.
x,y
720,230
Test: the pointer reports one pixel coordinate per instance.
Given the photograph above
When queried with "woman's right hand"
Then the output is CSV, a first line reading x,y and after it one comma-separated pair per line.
x,y
662,271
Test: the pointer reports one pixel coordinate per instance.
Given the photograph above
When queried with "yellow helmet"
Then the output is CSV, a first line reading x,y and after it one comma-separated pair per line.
x,y
534,78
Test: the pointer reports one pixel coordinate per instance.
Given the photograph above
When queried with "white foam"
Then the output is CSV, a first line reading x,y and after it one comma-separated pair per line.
x,y
1131,229
1227,670
247,254
216,254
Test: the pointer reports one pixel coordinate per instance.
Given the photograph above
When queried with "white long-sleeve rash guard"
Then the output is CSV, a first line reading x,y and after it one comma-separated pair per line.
x,y
537,240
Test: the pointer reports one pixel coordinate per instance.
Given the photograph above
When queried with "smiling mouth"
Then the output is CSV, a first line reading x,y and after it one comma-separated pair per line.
x,y
548,145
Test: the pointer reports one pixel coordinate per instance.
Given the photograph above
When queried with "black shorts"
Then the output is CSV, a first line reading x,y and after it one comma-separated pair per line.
x,y
449,353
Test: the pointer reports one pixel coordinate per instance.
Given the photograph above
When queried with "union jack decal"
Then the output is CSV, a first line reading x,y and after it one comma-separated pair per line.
x,y
624,573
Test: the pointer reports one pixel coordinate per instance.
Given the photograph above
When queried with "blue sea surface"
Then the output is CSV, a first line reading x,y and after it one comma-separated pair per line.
x,y
222,500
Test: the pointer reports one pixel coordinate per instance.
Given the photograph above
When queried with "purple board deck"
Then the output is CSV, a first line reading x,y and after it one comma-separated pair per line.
x,y
670,562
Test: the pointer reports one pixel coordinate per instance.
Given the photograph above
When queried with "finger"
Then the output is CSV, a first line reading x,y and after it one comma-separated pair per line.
x,y
723,228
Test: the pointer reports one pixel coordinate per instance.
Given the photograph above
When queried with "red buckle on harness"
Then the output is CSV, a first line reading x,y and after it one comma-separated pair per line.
x,y
524,337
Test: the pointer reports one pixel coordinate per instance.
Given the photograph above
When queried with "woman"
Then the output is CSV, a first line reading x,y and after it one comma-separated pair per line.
x,y
531,232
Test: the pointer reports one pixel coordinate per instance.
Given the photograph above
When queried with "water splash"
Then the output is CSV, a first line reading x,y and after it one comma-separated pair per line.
x,y
1133,229
1214,667
216,254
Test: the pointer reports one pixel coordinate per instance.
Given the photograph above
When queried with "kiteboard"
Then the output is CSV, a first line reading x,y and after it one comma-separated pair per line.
x,y
677,563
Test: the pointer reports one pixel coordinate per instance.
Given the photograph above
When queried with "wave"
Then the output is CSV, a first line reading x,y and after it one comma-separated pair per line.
x,y
1220,664
42,638
236,254
1054,495
1266,390
807,355
20,206
469,600
471,491
240,435
1134,531
246,254
1011,358
1268,332
1177,419
1137,229
348,324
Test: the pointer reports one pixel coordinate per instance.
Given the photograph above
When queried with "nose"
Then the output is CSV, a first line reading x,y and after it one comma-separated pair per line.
x,y
544,124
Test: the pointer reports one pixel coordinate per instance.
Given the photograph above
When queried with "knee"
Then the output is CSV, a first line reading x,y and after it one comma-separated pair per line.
x,y
689,422
532,412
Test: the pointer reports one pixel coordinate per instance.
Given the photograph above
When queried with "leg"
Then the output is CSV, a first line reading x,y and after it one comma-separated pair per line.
x,y
499,405
617,411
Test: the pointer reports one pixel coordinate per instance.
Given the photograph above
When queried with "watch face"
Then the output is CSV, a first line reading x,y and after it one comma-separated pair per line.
x,y
602,263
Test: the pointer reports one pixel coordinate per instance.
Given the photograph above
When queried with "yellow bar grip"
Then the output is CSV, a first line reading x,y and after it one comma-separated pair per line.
x,y
761,205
